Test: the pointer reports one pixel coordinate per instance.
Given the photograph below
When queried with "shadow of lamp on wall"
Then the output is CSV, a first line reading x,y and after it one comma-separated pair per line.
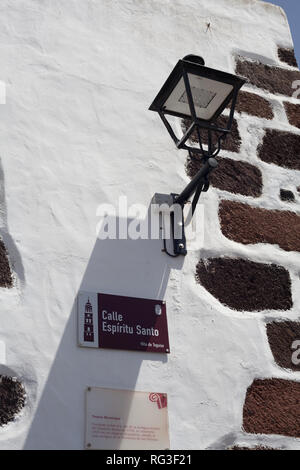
x,y
198,94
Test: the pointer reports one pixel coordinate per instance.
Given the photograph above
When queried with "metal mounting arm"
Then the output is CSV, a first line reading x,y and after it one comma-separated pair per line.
x,y
173,205
184,196
198,184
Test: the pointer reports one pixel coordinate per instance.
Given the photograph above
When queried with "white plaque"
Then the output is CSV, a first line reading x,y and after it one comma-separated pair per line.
x,y
126,420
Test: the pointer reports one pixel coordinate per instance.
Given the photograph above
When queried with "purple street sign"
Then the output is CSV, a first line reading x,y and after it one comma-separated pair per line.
x,y
119,322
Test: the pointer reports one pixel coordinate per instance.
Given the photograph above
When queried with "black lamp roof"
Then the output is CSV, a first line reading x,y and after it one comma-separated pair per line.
x,y
195,68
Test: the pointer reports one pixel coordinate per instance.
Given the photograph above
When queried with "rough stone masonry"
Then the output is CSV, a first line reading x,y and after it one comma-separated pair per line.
x,y
272,406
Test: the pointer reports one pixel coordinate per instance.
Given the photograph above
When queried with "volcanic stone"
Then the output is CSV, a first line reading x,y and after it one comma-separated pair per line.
x,y
249,225
231,175
287,56
5,272
281,337
273,79
272,406
293,113
281,148
251,448
12,398
246,285
287,195
254,105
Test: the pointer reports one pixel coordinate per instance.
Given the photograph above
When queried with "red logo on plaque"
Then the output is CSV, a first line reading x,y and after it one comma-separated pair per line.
x,y
160,399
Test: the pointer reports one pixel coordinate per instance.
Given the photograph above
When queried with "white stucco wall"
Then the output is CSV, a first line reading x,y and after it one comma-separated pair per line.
x,y
76,132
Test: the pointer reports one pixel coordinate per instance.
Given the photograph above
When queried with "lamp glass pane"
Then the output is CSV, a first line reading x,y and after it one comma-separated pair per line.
x,y
208,96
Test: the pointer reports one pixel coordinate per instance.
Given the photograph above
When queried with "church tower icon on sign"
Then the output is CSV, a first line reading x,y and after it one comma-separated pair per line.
x,y
88,322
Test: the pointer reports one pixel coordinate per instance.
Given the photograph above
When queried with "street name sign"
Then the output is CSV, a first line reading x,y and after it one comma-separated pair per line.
x,y
119,322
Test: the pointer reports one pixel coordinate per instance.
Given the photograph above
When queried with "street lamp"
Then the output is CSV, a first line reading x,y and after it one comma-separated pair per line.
x,y
200,95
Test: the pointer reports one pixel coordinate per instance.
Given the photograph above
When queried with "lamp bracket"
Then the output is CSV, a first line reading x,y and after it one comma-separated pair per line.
x,y
205,185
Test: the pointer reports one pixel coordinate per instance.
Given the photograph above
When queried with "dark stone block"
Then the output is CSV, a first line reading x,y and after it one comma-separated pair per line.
x,y
273,79
234,176
246,285
12,398
281,336
293,113
287,56
254,105
5,272
251,448
249,225
272,407
281,148
286,195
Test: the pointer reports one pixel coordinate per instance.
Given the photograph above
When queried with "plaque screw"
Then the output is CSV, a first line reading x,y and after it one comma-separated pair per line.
x,y
89,389
89,444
